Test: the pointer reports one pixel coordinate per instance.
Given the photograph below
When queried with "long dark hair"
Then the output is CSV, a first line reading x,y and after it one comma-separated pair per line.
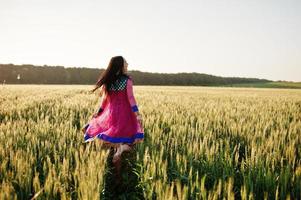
x,y
111,74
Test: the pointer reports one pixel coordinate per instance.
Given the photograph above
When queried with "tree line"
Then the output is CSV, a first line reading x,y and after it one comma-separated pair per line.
x,y
31,74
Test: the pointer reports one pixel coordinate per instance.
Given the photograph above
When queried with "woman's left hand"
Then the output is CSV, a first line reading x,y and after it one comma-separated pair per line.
x,y
98,113
95,115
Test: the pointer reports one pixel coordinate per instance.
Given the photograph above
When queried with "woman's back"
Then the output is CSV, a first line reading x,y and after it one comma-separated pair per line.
x,y
117,122
117,91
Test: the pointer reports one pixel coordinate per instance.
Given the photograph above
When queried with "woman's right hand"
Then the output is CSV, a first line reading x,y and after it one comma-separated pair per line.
x,y
139,119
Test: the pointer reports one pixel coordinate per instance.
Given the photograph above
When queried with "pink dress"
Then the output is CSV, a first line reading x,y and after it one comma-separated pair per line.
x,y
117,123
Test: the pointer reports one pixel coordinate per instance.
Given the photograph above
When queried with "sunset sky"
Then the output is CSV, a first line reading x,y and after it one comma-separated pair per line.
x,y
258,38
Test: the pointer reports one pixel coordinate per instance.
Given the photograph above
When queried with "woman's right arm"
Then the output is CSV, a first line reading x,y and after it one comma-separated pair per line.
x,y
131,98
103,95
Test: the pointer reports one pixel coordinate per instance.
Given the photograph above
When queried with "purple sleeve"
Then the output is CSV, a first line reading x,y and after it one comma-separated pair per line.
x,y
130,94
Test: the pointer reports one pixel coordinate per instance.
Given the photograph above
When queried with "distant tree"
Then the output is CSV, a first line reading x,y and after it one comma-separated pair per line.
x,y
30,74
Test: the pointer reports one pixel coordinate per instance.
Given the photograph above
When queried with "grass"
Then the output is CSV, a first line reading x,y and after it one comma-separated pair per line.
x,y
200,143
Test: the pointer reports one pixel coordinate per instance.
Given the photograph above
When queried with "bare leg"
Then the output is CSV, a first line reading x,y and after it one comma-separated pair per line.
x,y
117,159
120,149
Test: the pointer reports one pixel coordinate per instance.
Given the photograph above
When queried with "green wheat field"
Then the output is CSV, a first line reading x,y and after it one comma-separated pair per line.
x,y
200,143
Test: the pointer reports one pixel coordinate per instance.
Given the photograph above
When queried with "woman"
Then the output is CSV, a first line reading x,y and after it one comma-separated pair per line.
x,y
117,123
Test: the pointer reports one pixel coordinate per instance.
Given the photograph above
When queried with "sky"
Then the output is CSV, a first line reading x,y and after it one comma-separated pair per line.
x,y
232,38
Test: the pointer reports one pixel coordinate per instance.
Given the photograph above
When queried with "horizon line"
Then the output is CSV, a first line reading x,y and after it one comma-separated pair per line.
x,y
181,72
